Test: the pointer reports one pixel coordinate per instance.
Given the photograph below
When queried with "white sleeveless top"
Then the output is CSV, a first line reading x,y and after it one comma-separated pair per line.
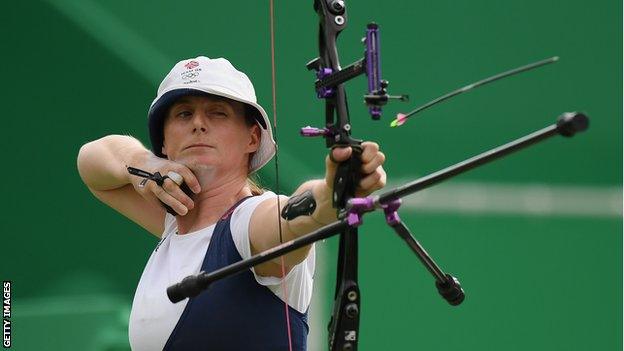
x,y
153,316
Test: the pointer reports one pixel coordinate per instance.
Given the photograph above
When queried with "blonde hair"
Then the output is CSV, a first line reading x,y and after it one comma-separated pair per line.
x,y
254,184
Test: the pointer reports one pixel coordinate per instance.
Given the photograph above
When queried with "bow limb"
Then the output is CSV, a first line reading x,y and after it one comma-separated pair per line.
x,y
344,325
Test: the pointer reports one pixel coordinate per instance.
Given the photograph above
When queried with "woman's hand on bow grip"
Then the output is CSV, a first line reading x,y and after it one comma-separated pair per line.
x,y
373,176
170,192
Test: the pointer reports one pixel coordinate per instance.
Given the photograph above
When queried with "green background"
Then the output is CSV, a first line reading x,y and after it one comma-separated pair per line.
x,y
546,275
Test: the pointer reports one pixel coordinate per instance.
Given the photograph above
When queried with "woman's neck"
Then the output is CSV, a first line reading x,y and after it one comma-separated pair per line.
x,y
215,198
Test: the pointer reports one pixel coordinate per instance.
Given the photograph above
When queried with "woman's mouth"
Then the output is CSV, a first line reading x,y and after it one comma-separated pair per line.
x,y
198,145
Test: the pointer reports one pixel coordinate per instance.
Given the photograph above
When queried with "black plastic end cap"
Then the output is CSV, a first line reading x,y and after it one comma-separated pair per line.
x,y
451,290
571,123
188,287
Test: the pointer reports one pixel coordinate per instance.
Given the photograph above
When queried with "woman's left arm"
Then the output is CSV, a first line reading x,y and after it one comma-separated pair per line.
x,y
297,219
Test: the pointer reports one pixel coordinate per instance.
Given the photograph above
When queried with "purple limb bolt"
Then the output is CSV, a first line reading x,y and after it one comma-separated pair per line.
x,y
323,72
390,210
324,92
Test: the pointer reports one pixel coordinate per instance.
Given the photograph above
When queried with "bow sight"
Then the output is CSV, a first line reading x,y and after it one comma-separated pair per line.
x,y
329,85
377,95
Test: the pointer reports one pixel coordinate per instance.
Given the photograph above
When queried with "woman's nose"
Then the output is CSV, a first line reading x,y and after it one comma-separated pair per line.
x,y
199,123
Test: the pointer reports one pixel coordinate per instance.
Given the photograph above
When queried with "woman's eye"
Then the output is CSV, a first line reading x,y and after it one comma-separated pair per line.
x,y
184,114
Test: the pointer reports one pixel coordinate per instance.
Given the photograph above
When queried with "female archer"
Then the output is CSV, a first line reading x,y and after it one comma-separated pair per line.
x,y
208,135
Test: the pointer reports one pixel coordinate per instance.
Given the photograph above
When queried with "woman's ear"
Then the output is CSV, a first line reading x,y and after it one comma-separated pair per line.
x,y
254,141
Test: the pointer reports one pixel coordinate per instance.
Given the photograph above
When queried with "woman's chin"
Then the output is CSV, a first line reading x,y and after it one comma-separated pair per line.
x,y
197,161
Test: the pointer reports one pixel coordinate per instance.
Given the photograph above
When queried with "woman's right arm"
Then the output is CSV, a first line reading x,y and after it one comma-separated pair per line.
x,y
102,166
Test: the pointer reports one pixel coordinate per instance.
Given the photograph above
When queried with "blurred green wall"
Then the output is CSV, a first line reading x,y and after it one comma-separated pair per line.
x,y
536,238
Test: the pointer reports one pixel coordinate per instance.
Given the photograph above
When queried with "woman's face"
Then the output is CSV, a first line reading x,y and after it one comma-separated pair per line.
x,y
206,131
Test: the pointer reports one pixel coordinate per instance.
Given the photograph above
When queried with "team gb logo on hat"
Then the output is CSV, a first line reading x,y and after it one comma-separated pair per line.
x,y
191,64
191,72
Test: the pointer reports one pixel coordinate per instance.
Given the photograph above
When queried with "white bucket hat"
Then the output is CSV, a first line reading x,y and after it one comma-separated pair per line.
x,y
200,76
